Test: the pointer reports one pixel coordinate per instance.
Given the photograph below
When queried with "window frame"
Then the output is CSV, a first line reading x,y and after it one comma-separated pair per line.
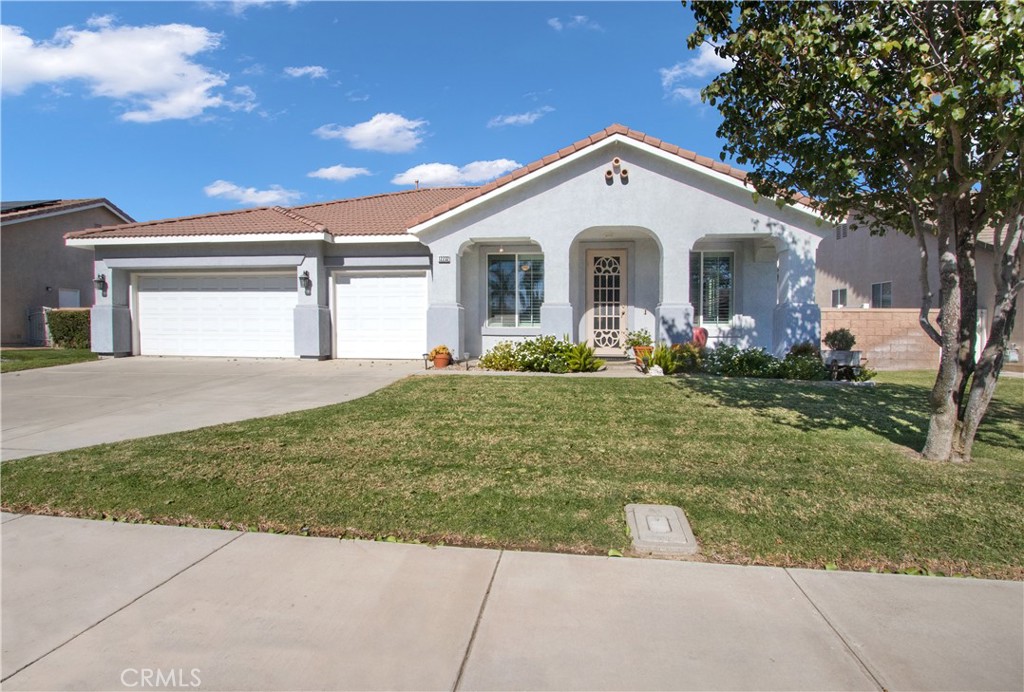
x,y
517,258
882,297
839,298
698,311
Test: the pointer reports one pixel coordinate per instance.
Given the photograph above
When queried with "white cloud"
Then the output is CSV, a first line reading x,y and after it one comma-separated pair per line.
x,y
250,195
239,7
101,21
578,21
706,63
689,94
438,174
520,118
311,71
150,69
386,132
337,173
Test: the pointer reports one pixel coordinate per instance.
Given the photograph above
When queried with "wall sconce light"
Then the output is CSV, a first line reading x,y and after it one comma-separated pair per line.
x,y
501,248
100,282
306,283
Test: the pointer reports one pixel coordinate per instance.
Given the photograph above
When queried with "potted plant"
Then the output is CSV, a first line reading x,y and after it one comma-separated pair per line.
x,y
641,343
841,356
441,356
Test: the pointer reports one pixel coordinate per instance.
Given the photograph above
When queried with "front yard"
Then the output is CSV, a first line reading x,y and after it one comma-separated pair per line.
x,y
14,359
768,472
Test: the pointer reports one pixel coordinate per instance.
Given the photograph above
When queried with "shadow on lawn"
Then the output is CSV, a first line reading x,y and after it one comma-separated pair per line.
x,y
897,412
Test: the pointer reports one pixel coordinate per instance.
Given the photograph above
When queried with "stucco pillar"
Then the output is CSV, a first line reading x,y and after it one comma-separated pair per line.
x,y
797,317
111,317
674,314
556,311
312,315
445,315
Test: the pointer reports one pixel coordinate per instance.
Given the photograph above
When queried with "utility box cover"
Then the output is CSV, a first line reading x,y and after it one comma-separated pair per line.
x,y
660,529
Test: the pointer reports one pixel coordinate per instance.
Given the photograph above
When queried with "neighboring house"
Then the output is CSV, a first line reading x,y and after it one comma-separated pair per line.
x,y
874,283
617,231
38,270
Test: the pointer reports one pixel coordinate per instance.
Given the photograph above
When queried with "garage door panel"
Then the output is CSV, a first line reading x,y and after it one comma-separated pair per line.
x,y
217,315
381,316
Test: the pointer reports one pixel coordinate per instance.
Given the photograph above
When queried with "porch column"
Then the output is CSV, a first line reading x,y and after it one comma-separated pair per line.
x,y
556,311
674,314
797,317
110,317
312,316
445,315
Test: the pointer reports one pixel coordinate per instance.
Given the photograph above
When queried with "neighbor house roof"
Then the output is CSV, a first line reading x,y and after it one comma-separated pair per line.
x,y
11,212
385,214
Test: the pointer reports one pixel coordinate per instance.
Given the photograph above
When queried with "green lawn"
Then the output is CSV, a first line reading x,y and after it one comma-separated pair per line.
x,y
768,472
13,359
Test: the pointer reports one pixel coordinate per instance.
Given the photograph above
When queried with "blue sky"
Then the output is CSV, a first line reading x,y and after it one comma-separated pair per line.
x,y
178,108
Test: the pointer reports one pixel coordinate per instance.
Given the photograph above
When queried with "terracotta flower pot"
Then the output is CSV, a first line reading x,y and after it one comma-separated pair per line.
x,y
640,351
442,361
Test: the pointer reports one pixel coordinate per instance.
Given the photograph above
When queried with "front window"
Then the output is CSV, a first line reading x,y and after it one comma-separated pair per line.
x,y
881,295
515,290
711,286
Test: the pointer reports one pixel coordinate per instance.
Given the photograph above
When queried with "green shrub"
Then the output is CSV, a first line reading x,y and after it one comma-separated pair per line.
x,y
69,328
720,360
802,366
580,358
641,337
805,348
664,357
756,362
503,356
538,354
841,339
689,357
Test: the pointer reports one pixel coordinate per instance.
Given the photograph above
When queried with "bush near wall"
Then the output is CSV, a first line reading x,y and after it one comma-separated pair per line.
x,y
69,328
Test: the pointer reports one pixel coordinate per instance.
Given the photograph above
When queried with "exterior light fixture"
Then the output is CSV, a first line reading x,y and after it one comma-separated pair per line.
x,y
100,282
501,248
306,282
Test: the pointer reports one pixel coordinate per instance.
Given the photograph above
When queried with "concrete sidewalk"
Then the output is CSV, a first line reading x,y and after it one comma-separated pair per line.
x,y
96,605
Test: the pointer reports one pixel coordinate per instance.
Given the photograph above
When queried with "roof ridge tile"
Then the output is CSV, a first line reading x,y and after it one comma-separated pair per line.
x,y
300,218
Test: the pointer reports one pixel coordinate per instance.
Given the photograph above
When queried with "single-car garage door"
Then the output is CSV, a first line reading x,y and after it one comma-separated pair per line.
x,y
380,315
217,315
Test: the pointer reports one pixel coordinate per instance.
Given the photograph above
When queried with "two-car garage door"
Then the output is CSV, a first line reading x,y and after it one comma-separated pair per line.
x,y
248,315
376,315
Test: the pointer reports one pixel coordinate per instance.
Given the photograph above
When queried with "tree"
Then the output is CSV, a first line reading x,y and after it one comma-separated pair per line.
x,y
907,117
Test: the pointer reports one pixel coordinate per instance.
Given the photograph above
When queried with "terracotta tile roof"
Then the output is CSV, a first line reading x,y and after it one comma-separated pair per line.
x,y
579,146
25,210
386,214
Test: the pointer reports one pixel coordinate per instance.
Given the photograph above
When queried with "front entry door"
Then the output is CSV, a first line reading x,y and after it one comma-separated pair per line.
x,y
606,301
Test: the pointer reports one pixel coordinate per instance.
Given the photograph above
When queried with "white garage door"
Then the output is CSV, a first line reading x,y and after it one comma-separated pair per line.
x,y
381,315
217,315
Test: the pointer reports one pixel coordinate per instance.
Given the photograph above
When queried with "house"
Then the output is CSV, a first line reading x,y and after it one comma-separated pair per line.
x,y
619,231
871,285
38,270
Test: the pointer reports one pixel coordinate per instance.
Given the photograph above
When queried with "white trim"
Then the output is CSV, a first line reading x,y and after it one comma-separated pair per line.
x,y
59,212
240,238
608,141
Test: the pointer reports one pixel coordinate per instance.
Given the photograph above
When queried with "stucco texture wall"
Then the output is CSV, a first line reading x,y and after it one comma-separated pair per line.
x,y
890,339
35,264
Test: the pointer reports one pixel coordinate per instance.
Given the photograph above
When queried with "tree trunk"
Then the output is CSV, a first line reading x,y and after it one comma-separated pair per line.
x,y
943,422
1007,274
968,333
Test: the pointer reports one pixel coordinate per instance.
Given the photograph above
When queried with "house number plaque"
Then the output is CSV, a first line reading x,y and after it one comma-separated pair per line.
x,y
444,259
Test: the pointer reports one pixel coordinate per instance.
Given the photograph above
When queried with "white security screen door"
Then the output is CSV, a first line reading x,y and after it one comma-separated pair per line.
x,y
606,300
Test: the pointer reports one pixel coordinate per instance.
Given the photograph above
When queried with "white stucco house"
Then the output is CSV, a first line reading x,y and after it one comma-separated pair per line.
x,y
618,231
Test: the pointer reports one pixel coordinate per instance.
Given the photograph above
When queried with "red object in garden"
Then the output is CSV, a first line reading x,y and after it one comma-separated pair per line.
x,y
700,337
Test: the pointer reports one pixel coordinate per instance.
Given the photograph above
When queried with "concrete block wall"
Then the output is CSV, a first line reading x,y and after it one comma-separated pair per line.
x,y
889,338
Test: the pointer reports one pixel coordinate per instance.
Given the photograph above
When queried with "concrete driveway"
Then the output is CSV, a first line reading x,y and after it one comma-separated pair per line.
x,y
71,406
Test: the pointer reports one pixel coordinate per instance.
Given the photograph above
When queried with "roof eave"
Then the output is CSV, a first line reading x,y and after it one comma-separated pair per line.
x,y
71,210
94,242
616,138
